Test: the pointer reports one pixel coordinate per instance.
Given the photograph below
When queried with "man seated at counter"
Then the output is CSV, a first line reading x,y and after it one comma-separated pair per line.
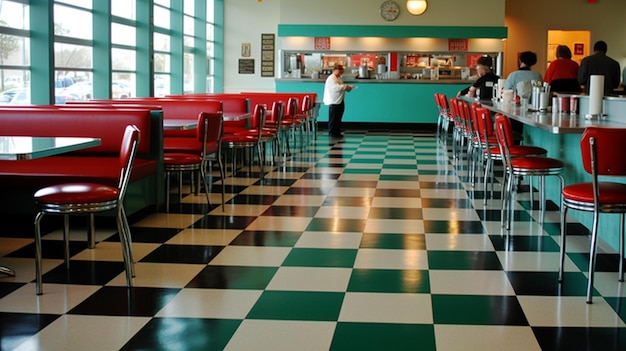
x,y
483,87
526,60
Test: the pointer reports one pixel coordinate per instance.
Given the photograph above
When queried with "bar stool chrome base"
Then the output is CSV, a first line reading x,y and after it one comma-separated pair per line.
x,y
7,271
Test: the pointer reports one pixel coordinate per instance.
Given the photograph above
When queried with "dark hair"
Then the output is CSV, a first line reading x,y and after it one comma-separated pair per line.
x,y
562,51
485,61
528,58
338,66
600,45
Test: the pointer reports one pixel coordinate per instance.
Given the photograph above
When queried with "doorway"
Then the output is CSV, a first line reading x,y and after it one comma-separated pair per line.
x,y
578,42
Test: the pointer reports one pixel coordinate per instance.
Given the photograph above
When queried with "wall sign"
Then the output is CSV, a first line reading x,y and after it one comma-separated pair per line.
x,y
267,55
322,43
458,44
245,49
246,66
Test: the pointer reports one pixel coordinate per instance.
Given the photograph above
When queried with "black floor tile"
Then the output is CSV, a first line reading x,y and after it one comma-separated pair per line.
x,y
291,211
547,283
223,222
84,272
266,238
233,277
183,334
395,213
580,338
15,328
123,301
193,254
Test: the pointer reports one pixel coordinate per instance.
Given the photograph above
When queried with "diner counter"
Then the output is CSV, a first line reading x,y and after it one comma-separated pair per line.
x,y
553,122
559,134
409,103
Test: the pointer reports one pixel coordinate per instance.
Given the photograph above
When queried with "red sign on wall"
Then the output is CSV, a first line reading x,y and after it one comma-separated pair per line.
x,y
322,43
458,45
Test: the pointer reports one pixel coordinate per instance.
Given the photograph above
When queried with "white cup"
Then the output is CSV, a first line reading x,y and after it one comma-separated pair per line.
x,y
507,95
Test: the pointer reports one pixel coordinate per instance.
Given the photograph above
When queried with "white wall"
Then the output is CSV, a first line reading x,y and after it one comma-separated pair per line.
x,y
245,21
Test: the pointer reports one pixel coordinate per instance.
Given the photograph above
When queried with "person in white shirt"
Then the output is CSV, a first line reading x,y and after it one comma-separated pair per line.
x,y
334,91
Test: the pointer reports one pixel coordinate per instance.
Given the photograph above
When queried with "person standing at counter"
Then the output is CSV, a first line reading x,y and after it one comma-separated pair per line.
x,y
599,64
484,83
526,60
562,74
334,92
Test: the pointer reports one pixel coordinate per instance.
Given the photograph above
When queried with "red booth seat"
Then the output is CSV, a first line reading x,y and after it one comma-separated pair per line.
x,y
19,179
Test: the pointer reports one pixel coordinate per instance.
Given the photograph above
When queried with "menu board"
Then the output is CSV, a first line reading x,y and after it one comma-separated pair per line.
x,y
328,61
267,55
412,60
363,60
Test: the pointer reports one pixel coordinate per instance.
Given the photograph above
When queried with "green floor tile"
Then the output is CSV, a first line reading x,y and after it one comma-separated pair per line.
x,y
297,305
477,310
393,241
305,257
361,171
400,157
453,227
394,177
383,336
389,281
463,260
372,161
399,166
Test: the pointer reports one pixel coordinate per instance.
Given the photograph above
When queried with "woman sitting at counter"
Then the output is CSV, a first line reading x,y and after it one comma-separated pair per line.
x,y
483,87
562,74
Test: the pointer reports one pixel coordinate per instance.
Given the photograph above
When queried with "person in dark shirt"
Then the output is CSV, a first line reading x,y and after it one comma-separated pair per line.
x,y
484,83
599,64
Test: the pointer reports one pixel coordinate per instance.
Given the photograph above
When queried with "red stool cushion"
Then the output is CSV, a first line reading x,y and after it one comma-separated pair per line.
x,y
536,162
175,158
239,138
610,192
76,193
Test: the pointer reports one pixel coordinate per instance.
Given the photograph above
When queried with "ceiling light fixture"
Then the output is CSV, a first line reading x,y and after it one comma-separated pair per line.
x,y
416,7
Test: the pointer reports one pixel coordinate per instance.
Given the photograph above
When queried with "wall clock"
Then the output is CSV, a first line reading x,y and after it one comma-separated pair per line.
x,y
389,10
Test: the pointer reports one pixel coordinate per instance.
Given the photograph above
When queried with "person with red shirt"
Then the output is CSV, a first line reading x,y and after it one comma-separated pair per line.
x,y
562,74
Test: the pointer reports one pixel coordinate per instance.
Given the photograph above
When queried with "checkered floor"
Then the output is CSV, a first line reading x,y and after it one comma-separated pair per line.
x,y
374,242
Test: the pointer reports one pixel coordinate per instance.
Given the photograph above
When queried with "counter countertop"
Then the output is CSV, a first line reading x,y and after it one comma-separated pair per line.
x,y
553,122
379,81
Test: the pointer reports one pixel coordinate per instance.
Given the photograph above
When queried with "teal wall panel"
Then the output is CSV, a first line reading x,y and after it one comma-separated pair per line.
x,y
381,102
359,31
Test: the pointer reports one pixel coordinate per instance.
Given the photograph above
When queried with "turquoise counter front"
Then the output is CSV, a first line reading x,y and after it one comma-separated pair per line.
x,y
382,101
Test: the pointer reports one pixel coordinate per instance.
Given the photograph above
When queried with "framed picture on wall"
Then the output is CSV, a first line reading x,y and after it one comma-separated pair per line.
x,y
579,49
245,49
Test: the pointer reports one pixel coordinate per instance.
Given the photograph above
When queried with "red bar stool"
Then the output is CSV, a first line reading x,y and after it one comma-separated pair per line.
x,y
457,128
249,141
522,166
89,198
602,155
445,116
272,129
491,148
194,155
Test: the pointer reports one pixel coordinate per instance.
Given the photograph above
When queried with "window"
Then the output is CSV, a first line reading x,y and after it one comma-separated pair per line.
x,y
14,50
